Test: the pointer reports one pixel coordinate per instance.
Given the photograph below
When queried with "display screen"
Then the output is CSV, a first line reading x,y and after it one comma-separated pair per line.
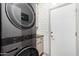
x,y
24,17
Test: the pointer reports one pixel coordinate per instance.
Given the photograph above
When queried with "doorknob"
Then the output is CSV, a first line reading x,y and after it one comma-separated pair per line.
x,y
52,36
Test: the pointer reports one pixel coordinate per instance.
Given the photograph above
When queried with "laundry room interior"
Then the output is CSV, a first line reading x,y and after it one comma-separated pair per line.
x,y
39,29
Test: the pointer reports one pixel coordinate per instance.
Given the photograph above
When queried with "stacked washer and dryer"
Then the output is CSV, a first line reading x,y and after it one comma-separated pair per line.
x,y
18,29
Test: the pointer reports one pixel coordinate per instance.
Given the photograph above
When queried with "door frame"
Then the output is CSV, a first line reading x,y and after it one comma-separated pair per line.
x,y
62,5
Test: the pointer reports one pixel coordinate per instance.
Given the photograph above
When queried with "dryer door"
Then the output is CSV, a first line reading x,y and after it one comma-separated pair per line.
x,y
21,15
28,52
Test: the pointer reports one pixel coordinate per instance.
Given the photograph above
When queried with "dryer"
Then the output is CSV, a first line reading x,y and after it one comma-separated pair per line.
x,y
18,29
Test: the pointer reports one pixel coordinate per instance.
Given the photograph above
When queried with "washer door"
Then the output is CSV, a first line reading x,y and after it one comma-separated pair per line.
x,y
28,52
21,15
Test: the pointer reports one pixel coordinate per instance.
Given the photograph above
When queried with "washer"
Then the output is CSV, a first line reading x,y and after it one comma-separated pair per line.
x,y
18,29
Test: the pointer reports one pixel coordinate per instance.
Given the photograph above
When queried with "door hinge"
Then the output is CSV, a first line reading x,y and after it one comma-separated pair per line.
x,y
76,34
76,10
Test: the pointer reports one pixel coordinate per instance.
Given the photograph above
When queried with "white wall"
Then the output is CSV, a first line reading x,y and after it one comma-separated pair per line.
x,y
43,24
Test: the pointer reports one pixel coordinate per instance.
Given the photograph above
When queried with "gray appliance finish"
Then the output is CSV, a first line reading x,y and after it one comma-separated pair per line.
x,y
18,29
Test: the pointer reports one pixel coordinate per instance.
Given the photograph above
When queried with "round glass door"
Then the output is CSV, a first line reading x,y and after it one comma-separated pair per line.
x,y
21,15
28,52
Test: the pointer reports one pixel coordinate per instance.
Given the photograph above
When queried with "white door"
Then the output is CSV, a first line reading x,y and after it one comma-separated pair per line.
x,y
63,28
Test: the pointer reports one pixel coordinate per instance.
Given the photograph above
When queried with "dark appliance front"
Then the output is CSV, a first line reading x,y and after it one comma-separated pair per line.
x,y
18,29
